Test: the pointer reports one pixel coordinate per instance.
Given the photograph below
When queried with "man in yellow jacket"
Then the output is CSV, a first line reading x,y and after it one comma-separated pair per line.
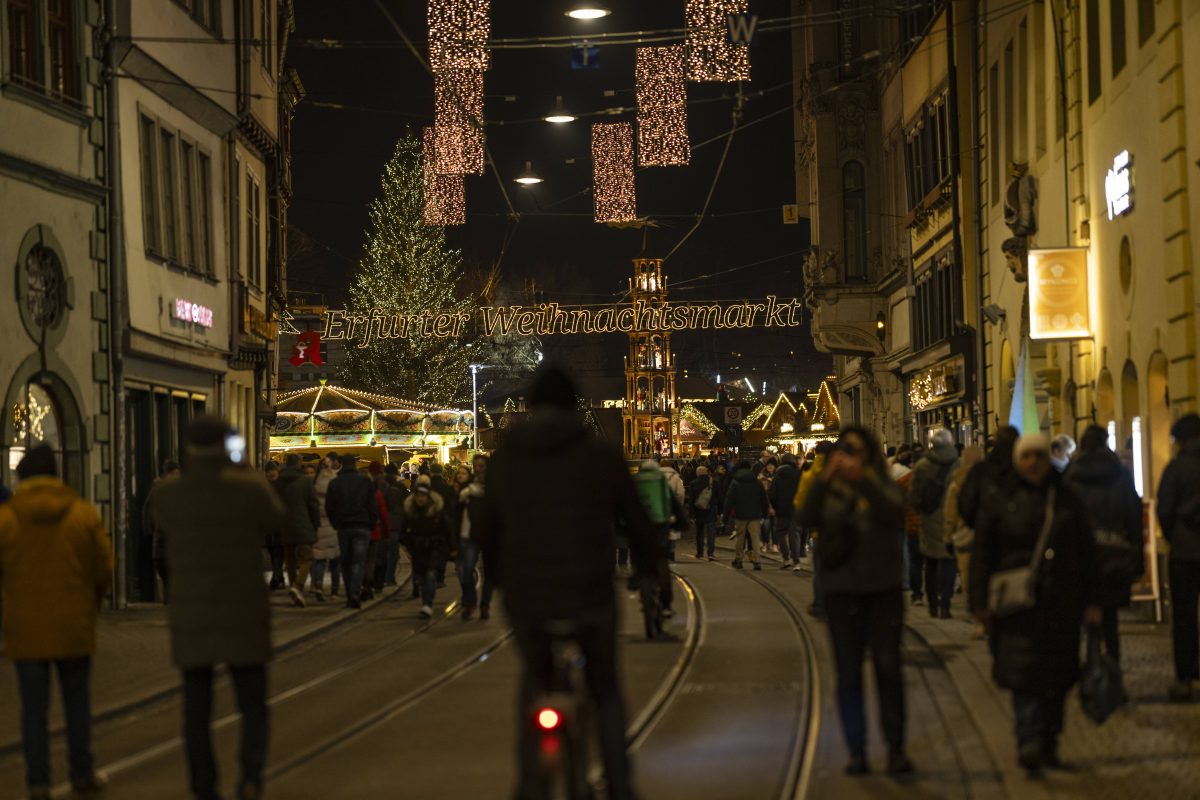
x,y
55,566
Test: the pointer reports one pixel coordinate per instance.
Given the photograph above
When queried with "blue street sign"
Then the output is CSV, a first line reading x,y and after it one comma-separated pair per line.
x,y
585,56
743,28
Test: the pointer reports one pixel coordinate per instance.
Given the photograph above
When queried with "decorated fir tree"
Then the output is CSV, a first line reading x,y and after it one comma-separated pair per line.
x,y
407,268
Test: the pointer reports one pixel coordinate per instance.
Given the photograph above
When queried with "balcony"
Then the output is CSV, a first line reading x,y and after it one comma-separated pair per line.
x,y
845,316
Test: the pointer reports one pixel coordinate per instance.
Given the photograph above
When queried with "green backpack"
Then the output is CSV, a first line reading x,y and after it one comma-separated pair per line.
x,y
656,495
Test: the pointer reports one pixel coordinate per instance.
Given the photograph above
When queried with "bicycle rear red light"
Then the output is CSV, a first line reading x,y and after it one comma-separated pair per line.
x,y
548,719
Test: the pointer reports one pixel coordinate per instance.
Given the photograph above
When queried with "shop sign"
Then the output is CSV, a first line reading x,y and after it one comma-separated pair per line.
x,y
936,385
194,313
1118,185
1059,306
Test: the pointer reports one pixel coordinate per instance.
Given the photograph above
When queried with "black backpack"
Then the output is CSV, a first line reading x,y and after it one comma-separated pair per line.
x,y
933,491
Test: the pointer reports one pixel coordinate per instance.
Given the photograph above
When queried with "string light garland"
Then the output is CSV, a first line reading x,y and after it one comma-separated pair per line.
x,y
458,34
443,196
710,56
612,172
662,107
457,120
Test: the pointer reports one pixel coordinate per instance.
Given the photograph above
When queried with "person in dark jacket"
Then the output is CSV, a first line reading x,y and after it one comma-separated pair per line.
x,y
930,479
782,496
1035,651
747,505
300,530
381,534
216,514
470,523
439,484
1179,519
426,535
351,507
548,538
995,467
703,490
158,543
854,504
1115,511
396,493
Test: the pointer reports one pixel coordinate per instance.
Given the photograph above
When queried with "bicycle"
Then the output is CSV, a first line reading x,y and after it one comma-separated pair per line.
x,y
559,715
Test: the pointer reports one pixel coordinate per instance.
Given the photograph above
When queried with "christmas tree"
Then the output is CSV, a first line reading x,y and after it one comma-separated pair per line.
x,y
408,268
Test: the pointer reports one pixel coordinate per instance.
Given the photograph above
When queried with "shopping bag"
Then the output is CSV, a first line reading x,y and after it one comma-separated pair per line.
x,y
1100,689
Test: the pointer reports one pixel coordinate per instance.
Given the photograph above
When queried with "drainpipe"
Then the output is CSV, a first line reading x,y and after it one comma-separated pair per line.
x,y
980,245
116,313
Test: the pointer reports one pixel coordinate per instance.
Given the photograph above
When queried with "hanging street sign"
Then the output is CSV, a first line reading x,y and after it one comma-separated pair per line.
x,y
548,319
1059,306
743,28
585,56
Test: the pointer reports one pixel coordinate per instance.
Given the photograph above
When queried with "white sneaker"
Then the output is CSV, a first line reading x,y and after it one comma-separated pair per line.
x,y
427,611
297,597
796,568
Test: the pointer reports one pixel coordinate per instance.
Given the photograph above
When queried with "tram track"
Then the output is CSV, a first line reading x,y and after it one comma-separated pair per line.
x,y
299,690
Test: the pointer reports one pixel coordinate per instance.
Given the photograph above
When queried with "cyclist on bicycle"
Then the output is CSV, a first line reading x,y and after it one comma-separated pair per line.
x,y
554,496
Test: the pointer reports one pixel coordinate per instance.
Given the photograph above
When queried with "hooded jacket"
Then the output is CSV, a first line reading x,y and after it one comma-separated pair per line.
x,y
937,466
426,532
554,496
1115,512
1179,503
300,500
783,490
55,566
216,515
747,499
703,516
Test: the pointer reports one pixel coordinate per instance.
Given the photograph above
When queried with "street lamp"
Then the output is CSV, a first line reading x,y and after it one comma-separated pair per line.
x,y
588,12
560,115
528,177
474,408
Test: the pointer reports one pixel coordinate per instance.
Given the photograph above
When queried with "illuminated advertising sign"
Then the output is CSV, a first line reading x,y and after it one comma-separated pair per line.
x,y
1118,185
194,313
1058,294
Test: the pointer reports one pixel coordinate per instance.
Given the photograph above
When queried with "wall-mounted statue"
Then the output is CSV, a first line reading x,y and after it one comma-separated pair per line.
x,y
1020,215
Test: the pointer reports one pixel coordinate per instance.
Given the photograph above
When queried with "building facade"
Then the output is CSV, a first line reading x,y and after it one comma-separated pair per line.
x,y
650,418
143,174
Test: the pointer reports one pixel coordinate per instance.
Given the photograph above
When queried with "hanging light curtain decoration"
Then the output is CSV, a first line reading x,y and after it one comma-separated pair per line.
x,y
458,122
612,172
662,107
710,56
444,196
458,34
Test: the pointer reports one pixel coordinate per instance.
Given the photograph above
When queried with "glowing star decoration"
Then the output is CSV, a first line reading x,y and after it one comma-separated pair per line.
x,y
458,122
710,56
458,34
662,107
612,172
444,196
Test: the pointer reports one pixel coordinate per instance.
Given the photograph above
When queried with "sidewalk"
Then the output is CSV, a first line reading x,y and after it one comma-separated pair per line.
x,y
132,666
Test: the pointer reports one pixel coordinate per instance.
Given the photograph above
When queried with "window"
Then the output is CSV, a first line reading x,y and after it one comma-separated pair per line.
x,y
1116,30
1022,119
24,56
267,33
64,77
854,220
1093,50
1039,82
205,12
235,233
253,229
1010,116
203,202
938,301
1145,10
927,151
150,211
170,190
187,173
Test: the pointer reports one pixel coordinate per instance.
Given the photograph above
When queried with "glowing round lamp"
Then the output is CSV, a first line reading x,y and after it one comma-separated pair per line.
x,y
588,11
560,115
528,177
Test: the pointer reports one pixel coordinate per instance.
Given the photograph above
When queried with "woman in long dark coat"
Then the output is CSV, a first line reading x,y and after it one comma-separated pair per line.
x,y
1036,651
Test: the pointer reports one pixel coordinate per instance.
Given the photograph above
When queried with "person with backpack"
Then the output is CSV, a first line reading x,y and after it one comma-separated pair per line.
x,y
662,508
931,476
747,505
702,499
1179,518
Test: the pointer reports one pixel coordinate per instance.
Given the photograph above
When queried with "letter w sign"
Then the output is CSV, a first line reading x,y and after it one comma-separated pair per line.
x,y
743,28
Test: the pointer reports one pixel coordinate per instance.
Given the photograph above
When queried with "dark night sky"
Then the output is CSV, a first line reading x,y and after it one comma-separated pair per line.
x,y
338,155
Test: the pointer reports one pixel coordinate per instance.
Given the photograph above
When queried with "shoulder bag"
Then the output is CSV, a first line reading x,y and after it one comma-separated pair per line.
x,y
1014,590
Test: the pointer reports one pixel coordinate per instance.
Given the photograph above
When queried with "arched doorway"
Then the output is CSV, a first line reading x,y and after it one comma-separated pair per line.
x,y
42,410
1158,418
1008,379
1129,443
1106,404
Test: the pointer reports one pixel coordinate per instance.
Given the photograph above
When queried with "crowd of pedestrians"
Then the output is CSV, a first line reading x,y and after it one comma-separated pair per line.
x,y
1042,539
